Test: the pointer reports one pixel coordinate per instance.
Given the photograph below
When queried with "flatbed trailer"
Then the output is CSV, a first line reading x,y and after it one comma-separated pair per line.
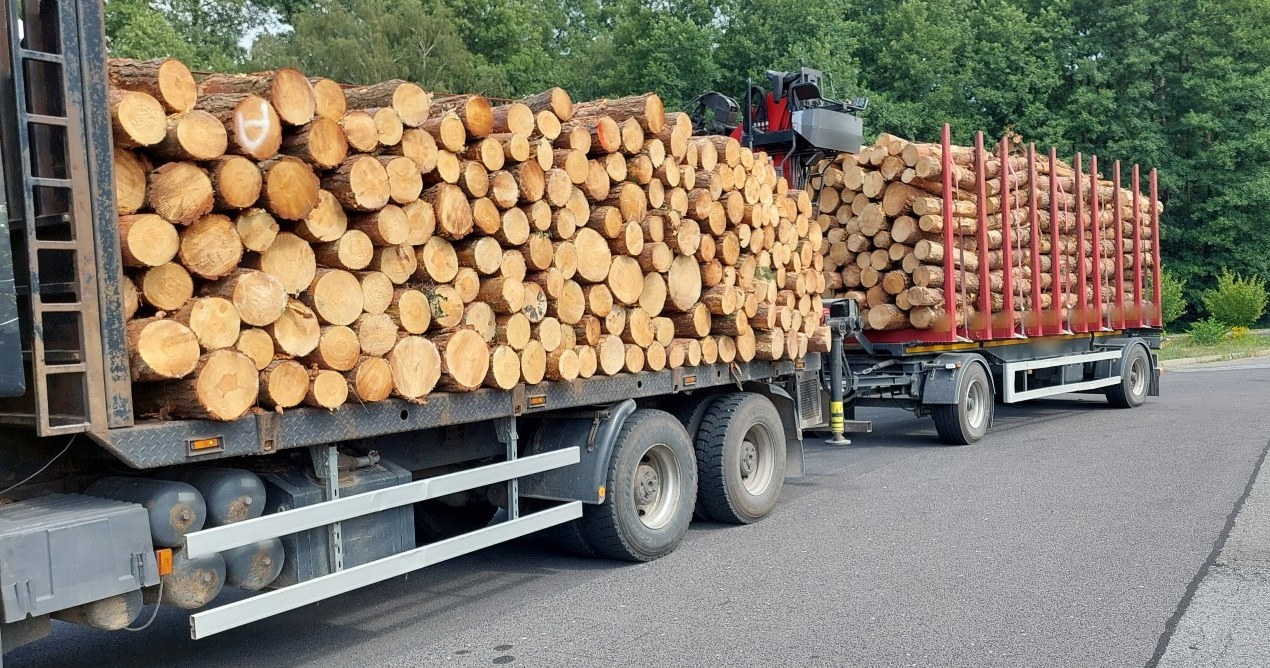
x,y
617,465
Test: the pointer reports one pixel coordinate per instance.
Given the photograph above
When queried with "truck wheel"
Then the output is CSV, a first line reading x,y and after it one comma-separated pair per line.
x,y
740,458
691,411
967,420
1135,376
652,484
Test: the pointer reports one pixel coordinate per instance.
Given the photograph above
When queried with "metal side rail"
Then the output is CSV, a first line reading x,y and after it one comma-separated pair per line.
x,y
1012,395
217,539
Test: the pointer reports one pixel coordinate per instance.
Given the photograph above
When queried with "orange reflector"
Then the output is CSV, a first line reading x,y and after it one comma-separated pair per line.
x,y
602,491
164,557
539,400
199,444
690,380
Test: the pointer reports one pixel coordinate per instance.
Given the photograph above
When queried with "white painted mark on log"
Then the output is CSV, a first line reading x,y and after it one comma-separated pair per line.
x,y
252,133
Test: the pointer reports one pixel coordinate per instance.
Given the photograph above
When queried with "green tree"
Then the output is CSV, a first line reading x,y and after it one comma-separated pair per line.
x,y
365,41
1236,301
137,30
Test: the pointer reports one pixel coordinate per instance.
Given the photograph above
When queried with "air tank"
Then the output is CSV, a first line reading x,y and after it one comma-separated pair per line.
x,y
253,567
175,508
232,495
193,583
108,614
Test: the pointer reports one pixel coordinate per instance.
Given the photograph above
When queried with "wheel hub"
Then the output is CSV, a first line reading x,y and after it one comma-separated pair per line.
x,y
647,485
749,459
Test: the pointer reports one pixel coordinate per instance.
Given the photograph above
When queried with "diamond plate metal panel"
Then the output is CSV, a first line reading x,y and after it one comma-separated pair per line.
x,y
151,444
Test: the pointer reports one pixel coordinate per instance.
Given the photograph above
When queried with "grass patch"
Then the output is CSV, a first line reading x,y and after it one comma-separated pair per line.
x,y
1180,347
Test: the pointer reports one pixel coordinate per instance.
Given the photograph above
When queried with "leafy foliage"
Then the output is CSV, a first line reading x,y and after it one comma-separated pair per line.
x,y
1236,301
1207,332
1172,297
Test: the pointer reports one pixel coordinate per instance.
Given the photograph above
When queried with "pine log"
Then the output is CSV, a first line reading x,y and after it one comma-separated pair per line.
x,y
252,124
146,240
353,251
647,109
447,307
371,380
130,181
338,349
210,247
286,88
291,188
236,182
166,79
181,192
256,345
473,110
166,287
416,367
225,385
504,370
376,333
290,259
161,349
327,389
465,359
360,131
555,100
192,135
137,119
283,384
360,183
327,221
320,143
410,102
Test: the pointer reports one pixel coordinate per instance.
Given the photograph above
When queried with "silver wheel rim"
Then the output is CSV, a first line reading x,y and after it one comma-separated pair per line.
x,y
976,403
656,486
757,463
1137,377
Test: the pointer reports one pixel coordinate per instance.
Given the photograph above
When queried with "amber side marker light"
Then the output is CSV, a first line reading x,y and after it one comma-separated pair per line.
x,y
164,558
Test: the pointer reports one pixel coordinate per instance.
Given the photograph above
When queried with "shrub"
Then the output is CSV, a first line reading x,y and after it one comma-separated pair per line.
x,y
1207,332
1237,301
1172,298
1238,333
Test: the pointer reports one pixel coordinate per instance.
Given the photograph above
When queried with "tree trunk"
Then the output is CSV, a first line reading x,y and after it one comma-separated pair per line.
x,y
147,240
371,380
283,384
166,79
137,119
327,389
465,359
253,127
320,143
287,90
225,385
360,183
416,367
192,135
410,102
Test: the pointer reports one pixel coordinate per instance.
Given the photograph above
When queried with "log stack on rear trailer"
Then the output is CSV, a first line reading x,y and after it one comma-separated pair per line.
x,y
961,241
293,241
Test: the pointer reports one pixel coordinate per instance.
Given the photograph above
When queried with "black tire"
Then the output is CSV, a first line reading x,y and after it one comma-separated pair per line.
x,y
691,411
435,520
653,458
1135,380
967,420
740,458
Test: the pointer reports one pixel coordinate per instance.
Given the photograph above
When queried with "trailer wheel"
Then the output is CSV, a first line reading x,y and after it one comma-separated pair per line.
x,y
967,420
652,486
740,458
1135,377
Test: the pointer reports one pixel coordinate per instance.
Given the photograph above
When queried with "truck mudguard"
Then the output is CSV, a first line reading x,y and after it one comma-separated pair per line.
x,y
595,433
944,378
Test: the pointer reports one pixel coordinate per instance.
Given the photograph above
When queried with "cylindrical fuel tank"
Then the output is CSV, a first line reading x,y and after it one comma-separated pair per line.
x,y
232,495
253,567
108,614
193,583
175,508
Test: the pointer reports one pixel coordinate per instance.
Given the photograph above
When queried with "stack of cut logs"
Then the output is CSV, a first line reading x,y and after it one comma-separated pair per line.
x,y
882,212
291,241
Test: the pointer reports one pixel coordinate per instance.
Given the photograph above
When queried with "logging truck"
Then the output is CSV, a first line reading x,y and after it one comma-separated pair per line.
x,y
277,334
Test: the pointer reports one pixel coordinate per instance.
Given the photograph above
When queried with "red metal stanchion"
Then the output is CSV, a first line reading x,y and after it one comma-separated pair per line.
x,y
1081,322
981,200
950,290
1007,247
1157,304
1095,228
1139,315
1118,320
1037,325
1058,289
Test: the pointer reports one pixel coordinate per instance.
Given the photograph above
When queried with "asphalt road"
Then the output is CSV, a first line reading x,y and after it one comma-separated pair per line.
x,y
1074,535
